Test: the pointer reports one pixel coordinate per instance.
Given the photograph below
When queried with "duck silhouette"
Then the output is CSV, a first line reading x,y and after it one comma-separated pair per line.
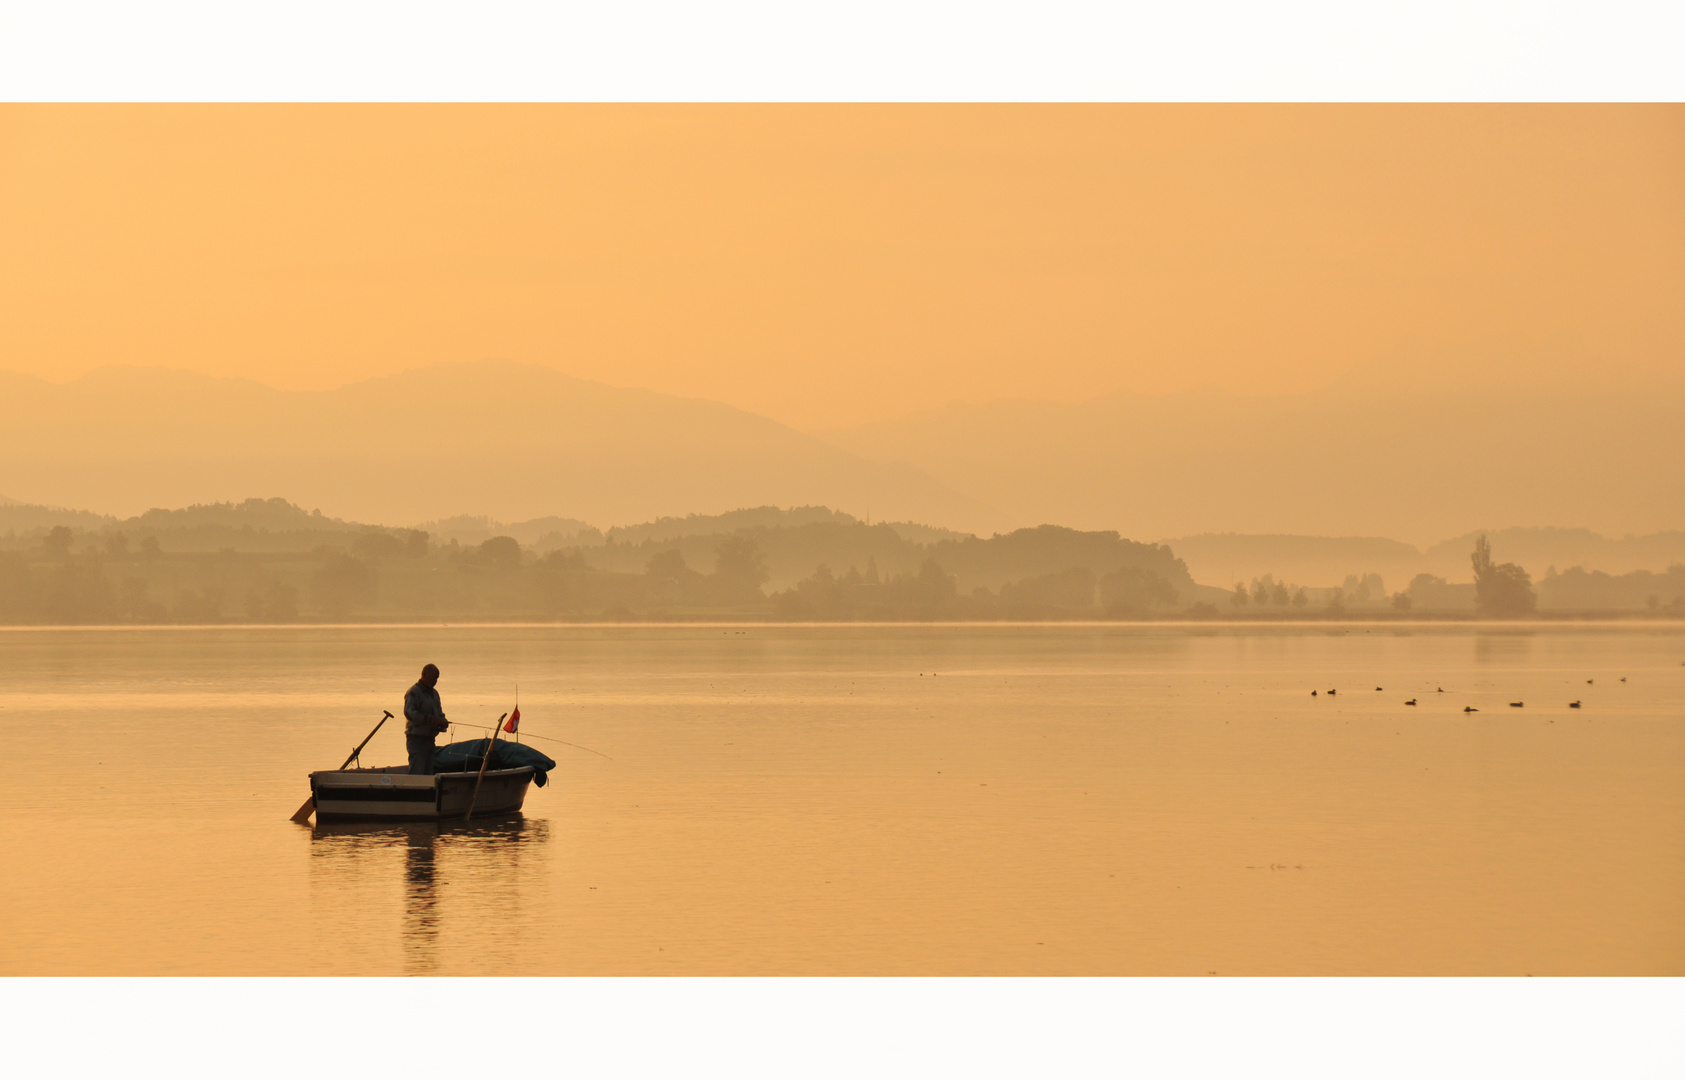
x,y
1470,708
1377,689
1515,704
1412,701
1313,693
1573,704
1331,693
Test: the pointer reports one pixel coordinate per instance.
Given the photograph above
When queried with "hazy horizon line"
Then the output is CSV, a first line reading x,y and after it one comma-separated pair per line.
x,y
1357,376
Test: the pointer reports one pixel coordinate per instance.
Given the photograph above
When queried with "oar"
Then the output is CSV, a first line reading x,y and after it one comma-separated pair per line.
x,y
309,806
491,742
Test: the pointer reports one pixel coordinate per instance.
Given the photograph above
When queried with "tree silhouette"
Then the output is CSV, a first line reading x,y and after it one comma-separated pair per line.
x,y
668,581
668,567
929,594
1070,591
374,545
1131,590
1501,590
740,567
502,551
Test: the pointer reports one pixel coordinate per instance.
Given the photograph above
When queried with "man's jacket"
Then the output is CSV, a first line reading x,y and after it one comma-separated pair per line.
x,y
423,715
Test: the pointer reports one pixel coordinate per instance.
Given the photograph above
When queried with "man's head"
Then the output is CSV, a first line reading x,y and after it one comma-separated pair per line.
x,y
429,676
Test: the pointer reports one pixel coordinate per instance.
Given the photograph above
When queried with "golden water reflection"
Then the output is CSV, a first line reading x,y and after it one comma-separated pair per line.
x,y
1082,800
483,863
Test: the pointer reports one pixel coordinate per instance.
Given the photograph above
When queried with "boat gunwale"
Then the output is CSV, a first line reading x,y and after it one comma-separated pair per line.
x,y
434,778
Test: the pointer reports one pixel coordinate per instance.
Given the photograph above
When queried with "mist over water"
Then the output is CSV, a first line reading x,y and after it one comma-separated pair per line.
x,y
991,799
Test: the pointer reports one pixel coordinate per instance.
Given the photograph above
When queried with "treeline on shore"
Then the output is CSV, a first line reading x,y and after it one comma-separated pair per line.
x,y
1573,592
266,561
156,569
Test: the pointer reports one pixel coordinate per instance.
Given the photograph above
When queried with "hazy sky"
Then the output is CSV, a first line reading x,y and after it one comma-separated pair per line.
x,y
832,265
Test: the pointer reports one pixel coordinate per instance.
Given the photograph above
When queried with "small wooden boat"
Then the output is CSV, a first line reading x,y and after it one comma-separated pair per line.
x,y
392,794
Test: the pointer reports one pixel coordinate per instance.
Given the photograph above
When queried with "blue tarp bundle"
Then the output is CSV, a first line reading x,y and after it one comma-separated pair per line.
x,y
465,757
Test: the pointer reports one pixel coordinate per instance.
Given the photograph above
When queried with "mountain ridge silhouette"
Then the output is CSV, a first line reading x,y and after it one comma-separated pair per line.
x,y
490,437
1344,460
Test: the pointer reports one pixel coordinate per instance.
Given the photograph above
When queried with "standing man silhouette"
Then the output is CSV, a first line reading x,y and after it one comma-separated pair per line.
x,y
424,717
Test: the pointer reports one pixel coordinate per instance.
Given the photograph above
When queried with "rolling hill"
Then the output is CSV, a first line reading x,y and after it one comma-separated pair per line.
x,y
1351,459
505,440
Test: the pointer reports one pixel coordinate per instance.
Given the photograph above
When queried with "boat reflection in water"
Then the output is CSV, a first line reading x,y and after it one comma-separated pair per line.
x,y
463,888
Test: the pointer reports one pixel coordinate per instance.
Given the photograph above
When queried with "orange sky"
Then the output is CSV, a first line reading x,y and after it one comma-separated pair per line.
x,y
830,265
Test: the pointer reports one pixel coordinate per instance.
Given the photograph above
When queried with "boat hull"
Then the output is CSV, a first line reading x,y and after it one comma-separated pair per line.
x,y
394,795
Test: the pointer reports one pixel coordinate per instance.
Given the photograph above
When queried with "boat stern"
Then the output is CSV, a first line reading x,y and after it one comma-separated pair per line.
x,y
374,794
394,795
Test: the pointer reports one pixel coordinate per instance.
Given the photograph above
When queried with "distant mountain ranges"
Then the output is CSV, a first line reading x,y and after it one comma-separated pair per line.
x,y
505,446
1353,458
513,441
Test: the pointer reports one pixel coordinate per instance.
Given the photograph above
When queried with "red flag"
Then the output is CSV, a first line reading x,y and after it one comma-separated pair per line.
x,y
514,723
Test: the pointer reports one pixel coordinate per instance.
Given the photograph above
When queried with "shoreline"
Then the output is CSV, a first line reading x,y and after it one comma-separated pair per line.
x,y
1566,622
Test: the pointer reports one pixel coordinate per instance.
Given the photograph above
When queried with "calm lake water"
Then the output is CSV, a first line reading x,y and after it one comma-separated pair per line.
x,y
1107,800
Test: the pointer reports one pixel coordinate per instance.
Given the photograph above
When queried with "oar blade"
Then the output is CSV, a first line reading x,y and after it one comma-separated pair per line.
x,y
304,812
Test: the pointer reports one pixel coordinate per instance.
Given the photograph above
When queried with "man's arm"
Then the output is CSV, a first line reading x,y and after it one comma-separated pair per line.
x,y
413,714
436,707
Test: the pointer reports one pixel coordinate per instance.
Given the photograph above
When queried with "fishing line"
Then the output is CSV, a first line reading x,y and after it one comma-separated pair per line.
x,y
545,738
